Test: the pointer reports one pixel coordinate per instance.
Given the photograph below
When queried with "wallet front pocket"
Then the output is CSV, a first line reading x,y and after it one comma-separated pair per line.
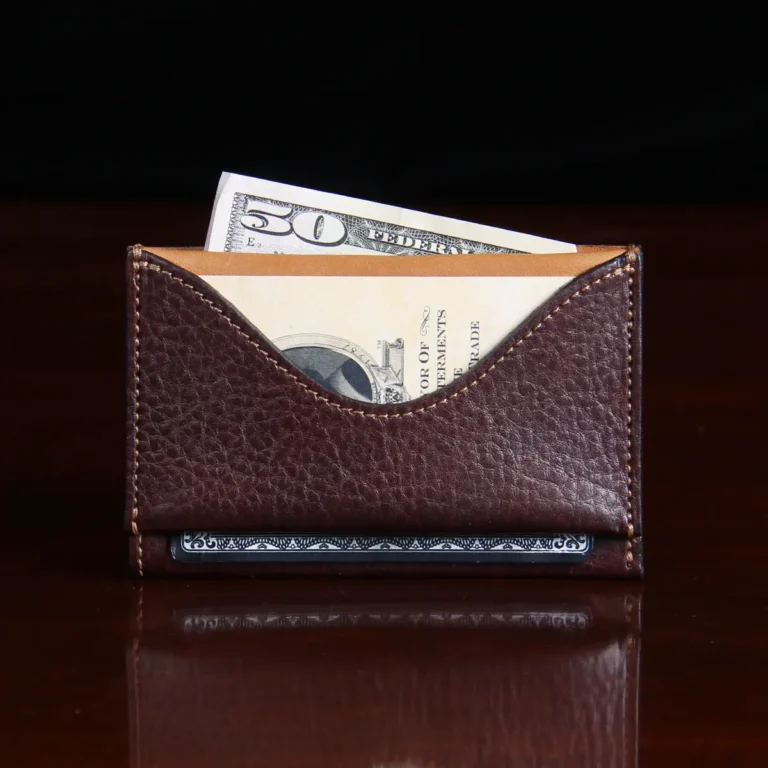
x,y
539,439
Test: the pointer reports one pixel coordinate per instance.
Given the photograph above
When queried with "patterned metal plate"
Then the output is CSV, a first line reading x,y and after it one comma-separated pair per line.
x,y
202,546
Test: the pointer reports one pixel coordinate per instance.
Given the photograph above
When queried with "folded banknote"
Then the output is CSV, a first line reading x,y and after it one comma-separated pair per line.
x,y
386,330
356,331
262,216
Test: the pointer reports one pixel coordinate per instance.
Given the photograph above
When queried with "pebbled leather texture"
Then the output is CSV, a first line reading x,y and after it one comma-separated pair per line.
x,y
543,436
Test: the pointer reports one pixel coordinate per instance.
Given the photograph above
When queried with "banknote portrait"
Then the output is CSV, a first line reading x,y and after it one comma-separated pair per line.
x,y
347,369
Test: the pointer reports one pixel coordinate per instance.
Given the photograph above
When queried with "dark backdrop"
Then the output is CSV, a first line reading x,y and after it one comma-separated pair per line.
x,y
118,119
151,101
115,122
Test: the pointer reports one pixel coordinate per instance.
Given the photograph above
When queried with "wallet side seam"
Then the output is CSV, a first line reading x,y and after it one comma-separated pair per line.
x,y
136,392
629,557
636,403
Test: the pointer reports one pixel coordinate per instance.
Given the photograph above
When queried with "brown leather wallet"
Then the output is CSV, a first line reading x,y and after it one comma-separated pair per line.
x,y
526,465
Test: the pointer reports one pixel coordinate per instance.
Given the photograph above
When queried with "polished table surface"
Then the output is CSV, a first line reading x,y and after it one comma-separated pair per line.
x,y
100,670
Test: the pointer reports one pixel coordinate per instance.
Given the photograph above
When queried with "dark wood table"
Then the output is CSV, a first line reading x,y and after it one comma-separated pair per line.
x,y
416,685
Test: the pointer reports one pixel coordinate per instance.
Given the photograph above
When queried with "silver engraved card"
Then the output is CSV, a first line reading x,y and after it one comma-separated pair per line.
x,y
211,547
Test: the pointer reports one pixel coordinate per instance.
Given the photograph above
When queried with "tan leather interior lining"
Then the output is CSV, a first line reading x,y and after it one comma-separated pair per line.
x,y
584,248
477,265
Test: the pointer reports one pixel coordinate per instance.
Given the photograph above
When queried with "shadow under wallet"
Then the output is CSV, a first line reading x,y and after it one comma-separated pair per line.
x,y
479,674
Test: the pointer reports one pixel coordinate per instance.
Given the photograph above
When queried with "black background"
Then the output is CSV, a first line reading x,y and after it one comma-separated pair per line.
x,y
110,113
118,118
462,104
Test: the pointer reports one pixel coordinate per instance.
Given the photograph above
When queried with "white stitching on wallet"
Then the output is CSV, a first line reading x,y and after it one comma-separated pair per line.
x,y
630,324
629,268
135,511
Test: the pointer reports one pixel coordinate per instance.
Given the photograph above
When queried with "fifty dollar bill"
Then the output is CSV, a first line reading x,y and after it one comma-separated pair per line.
x,y
267,217
376,339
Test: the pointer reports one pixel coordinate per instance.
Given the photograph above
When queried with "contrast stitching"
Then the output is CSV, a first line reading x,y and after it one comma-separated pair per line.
x,y
630,324
629,268
136,360
615,273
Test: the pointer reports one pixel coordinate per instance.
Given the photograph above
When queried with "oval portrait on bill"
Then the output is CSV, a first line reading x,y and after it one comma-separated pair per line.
x,y
346,369
335,364
332,370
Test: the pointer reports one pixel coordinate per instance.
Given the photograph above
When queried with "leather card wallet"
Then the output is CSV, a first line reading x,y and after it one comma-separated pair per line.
x,y
527,464
407,674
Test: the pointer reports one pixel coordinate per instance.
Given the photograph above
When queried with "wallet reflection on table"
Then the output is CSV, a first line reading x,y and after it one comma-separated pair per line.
x,y
384,675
